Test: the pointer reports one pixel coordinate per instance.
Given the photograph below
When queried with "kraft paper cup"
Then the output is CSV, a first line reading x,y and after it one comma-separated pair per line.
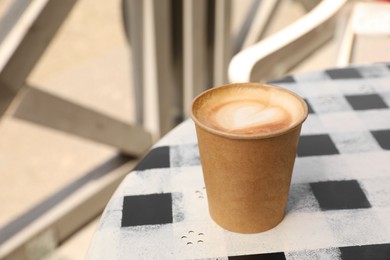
x,y
247,178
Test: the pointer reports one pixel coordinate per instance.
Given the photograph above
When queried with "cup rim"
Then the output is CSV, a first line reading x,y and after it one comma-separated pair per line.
x,y
246,136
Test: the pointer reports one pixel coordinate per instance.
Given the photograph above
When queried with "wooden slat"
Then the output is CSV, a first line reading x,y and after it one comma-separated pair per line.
x,y
26,42
70,211
49,110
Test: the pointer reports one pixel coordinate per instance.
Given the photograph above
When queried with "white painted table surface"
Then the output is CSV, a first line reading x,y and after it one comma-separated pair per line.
x,y
339,201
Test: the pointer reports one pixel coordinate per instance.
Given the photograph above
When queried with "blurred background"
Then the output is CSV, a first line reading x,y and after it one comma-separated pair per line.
x,y
88,62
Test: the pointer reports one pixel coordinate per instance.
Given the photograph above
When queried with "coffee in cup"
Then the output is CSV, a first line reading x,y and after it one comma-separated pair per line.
x,y
248,135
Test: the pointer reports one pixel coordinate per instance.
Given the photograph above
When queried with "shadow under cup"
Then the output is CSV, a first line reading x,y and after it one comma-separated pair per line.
x,y
247,177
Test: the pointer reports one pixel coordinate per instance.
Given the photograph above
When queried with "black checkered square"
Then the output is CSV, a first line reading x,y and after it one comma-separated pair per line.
x,y
287,79
313,145
269,256
152,209
336,195
346,73
156,158
364,102
377,252
309,108
383,138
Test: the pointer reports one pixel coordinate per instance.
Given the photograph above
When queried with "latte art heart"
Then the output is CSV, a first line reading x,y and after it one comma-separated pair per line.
x,y
248,110
246,115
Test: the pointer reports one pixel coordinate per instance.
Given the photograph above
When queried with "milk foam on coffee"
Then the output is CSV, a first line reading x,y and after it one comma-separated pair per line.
x,y
249,110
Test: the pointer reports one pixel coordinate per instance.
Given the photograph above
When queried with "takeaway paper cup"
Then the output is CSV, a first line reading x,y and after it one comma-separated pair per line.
x,y
247,177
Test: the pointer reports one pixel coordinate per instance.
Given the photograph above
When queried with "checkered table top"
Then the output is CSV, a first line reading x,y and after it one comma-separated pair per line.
x,y
339,200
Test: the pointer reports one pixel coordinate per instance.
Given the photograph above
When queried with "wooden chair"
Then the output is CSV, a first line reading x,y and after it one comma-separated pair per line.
x,y
25,31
